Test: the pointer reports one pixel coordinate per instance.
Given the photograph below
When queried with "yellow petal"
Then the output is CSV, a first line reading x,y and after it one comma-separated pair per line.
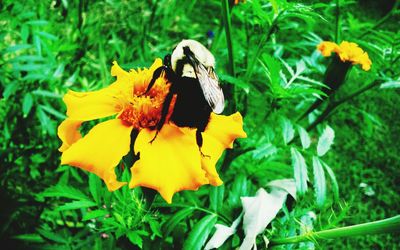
x,y
101,150
170,164
219,135
68,132
326,48
108,101
91,105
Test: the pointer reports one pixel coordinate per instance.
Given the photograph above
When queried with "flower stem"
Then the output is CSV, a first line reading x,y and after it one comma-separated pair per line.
x,y
333,105
391,13
376,227
226,17
337,33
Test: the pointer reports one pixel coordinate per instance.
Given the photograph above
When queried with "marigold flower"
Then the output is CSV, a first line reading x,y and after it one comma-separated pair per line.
x,y
347,52
169,164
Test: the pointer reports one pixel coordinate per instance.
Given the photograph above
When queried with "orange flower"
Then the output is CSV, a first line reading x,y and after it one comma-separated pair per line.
x,y
347,52
170,164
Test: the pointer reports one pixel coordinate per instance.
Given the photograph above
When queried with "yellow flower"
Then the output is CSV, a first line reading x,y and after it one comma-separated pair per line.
x,y
170,164
347,52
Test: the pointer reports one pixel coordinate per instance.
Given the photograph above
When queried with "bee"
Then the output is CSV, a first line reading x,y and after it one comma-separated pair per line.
x,y
190,71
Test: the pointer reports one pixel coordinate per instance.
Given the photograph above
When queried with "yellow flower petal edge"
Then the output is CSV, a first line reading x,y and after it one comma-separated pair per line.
x,y
101,150
68,132
326,48
170,163
219,135
347,52
111,100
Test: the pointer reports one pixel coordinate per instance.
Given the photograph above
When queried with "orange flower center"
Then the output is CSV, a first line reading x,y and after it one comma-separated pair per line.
x,y
144,110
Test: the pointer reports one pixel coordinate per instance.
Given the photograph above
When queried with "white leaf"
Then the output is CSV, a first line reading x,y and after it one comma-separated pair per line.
x,y
289,185
300,67
287,130
319,182
259,211
300,171
304,137
325,141
222,234
390,85
334,183
289,69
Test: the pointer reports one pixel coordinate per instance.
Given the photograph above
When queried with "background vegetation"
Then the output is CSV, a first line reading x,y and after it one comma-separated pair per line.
x,y
270,71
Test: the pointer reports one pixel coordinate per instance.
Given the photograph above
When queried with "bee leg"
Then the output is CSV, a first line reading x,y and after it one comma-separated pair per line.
x,y
199,141
164,112
169,74
157,73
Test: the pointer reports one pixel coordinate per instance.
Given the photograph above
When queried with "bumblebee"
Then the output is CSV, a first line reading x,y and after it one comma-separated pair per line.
x,y
190,71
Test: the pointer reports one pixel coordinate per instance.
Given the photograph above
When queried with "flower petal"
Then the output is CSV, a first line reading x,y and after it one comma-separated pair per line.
x,y
108,101
170,163
219,135
101,150
91,105
327,48
68,132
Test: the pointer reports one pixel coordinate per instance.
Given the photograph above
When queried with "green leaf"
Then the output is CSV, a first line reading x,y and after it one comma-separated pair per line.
x,y
24,33
44,120
332,177
10,89
300,171
66,192
304,137
27,104
52,111
240,187
319,182
95,214
95,187
135,238
76,205
37,22
272,68
199,234
38,44
34,238
216,197
52,236
235,81
17,47
170,224
287,130
325,141
47,35
45,93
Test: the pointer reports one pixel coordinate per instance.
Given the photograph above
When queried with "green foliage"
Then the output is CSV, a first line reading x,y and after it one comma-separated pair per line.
x,y
270,71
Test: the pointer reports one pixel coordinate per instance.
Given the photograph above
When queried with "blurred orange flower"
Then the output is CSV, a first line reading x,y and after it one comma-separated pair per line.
x,y
170,164
347,52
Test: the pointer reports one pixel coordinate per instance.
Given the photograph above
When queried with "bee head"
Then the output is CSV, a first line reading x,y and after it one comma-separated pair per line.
x,y
179,57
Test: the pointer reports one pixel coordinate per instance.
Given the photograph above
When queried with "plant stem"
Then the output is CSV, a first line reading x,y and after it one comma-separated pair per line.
x,y
384,19
376,227
272,29
333,105
337,33
226,17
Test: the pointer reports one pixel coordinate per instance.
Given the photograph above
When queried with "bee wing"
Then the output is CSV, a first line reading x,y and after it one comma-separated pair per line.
x,y
212,91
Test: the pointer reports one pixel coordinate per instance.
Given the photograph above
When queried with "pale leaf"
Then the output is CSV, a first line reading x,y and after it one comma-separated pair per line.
x,y
325,141
222,234
289,185
259,211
